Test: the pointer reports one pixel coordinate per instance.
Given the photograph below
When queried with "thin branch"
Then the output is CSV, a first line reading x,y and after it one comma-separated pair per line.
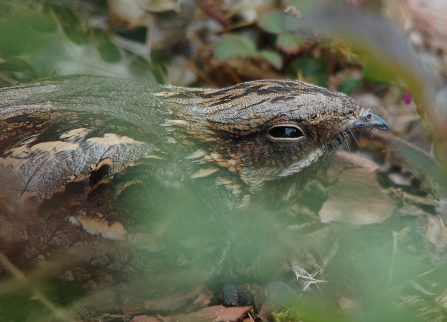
x,y
58,313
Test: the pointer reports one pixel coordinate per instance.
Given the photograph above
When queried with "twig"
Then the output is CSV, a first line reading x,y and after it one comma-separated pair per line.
x,y
17,274
393,257
444,229
211,11
251,319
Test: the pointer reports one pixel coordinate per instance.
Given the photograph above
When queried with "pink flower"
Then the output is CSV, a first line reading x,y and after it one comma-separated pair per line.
x,y
407,97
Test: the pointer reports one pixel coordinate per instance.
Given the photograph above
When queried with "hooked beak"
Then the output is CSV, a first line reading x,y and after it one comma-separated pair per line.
x,y
370,120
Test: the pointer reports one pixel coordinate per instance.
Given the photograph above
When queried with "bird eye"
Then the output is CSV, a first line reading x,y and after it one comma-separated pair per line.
x,y
286,132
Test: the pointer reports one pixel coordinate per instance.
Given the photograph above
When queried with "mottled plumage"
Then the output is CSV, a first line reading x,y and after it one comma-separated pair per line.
x,y
119,176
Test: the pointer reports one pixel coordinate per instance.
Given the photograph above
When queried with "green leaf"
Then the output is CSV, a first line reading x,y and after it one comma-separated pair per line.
x,y
320,80
290,44
350,85
310,66
272,57
378,72
271,22
54,53
232,46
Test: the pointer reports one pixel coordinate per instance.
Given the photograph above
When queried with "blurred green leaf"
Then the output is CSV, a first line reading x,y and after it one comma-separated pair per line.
x,y
304,6
18,32
271,22
56,54
234,46
290,44
377,72
272,57
310,66
320,80
311,312
350,85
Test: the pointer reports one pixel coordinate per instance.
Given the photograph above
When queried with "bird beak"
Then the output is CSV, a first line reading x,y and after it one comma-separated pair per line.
x,y
368,119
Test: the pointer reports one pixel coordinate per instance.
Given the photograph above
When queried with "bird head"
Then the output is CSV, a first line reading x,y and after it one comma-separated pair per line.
x,y
266,130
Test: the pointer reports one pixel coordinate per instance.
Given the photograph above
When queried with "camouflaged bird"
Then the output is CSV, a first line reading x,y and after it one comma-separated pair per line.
x,y
117,180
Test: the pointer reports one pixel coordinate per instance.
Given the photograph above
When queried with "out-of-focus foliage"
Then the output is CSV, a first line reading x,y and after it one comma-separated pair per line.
x,y
235,46
390,270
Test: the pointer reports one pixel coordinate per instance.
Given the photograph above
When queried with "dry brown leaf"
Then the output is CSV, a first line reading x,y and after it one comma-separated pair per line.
x,y
444,229
356,197
217,313
193,300
434,233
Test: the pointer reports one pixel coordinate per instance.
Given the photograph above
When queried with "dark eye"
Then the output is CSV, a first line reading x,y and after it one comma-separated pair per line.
x,y
285,132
